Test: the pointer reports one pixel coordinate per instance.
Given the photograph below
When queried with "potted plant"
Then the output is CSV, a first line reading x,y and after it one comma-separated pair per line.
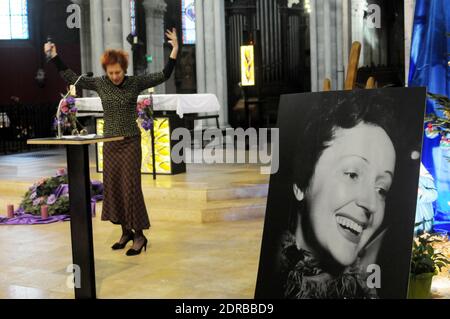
x,y
426,262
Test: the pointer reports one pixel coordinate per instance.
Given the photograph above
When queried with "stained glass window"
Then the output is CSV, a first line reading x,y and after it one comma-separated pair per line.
x,y
133,17
13,20
188,19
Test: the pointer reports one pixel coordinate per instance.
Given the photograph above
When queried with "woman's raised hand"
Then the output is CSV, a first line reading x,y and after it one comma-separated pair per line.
x,y
172,36
51,48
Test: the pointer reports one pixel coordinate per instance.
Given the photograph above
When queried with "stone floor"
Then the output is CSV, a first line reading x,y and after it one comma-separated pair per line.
x,y
183,260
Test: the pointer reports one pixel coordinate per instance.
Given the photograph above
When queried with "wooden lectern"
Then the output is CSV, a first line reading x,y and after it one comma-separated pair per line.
x,y
80,208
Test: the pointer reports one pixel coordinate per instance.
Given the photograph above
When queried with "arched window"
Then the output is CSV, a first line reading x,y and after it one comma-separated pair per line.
x,y
188,20
14,20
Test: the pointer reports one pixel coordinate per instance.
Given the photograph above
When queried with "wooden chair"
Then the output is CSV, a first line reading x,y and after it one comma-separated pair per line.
x,y
353,63
352,71
371,83
327,84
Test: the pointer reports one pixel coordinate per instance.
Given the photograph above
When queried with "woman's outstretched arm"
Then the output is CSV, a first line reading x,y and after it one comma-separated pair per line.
x,y
154,79
67,74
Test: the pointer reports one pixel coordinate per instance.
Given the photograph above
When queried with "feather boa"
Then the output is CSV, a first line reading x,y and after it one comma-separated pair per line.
x,y
306,280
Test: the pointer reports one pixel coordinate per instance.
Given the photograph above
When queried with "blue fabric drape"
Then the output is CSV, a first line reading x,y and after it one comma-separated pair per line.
x,y
429,67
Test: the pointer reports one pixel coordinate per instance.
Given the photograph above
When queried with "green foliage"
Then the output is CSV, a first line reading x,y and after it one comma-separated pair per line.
x,y
425,259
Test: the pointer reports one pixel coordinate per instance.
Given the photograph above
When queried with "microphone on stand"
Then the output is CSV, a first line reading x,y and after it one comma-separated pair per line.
x,y
58,111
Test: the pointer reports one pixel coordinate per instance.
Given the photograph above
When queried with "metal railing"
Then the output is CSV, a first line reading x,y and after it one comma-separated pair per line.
x,y
20,122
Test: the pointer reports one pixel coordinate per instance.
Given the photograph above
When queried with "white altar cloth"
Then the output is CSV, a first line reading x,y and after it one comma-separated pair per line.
x,y
181,103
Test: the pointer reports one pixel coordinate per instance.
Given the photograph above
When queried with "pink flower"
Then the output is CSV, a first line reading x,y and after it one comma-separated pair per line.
x,y
41,181
65,109
61,172
147,102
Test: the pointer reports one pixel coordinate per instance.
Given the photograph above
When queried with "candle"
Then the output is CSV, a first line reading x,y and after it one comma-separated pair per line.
x,y
93,209
44,211
10,211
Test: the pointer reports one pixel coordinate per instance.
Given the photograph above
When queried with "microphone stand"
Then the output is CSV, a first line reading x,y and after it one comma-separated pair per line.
x,y
58,111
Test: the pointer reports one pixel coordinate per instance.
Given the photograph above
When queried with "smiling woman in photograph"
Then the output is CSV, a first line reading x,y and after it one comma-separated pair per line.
x,y
343,172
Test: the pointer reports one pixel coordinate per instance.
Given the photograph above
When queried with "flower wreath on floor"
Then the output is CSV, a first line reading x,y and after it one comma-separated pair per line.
x,y
53,192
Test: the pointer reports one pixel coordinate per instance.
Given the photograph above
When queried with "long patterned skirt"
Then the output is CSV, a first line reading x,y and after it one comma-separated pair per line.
x,y
123,199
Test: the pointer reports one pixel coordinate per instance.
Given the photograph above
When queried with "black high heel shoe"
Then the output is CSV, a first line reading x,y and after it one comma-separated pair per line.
x,y
134,252
119,245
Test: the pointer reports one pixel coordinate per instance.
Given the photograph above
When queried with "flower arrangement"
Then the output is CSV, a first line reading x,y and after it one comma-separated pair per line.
x,y
145,113
53,192
68,115
439,125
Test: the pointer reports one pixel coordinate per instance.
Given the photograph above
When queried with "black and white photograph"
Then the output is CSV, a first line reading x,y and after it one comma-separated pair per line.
x,y
340,212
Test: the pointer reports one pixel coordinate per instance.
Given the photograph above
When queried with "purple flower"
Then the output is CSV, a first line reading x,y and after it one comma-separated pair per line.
x,y
141,113
70,100
74,110
98,186
57,122
147,124
37,201
51,199
61,190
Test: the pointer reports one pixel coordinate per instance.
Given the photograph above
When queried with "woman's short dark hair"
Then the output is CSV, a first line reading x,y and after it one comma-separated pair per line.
x,y
338,112
112,56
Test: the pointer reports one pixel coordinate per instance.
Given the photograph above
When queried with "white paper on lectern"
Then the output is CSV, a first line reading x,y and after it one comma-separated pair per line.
x,y
70,137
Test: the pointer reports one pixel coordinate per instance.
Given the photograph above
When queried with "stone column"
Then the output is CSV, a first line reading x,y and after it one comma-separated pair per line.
x,y
126,30
200,47
85,38
154,20
96,14
375,48
410,8
210,52
340,71
315,85
112,24
326,38
357,18
373,41
221,62
346,31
